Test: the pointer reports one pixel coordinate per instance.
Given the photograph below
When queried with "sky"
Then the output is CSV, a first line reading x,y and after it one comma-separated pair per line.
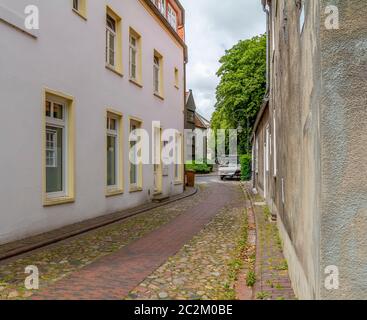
x,y
212,27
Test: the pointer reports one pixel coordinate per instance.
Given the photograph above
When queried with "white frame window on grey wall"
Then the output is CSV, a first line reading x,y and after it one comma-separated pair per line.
x,y
302,16
133,57
113,148
56,148
111,33
156,74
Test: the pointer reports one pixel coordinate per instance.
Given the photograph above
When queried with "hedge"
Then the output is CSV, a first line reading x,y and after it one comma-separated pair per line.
x,y
246,161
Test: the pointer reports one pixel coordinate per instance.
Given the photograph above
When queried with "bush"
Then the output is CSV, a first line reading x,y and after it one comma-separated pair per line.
x,y
245,161
198,168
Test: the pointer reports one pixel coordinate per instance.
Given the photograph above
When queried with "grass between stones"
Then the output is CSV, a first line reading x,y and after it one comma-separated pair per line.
x,y
237,263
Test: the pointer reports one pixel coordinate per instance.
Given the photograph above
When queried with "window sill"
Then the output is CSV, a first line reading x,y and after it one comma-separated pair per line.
x,y
49,202
113,193
159,96
136,189
114,70
178,183
80,14
136,83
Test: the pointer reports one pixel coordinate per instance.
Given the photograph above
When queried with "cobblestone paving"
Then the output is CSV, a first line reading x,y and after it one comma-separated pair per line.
x,y
59,260
271,268
201,270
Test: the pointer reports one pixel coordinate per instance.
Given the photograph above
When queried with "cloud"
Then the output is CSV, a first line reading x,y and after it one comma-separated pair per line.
x,y
211,28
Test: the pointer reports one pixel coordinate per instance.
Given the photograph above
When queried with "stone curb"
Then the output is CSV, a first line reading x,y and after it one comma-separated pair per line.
x,y
17,248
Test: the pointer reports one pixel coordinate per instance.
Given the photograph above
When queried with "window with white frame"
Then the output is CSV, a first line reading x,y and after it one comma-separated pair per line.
x,y
162,6
178,157
56,147
110,41
157,74
257,154
133,57
76,5
172,17
112,151
135,166
302,16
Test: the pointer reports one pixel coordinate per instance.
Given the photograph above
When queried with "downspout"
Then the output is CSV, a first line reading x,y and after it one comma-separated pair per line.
x,y
266,10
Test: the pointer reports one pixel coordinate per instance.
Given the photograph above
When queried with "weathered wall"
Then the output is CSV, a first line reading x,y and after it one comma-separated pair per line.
x,y
293,176
343,113
295,104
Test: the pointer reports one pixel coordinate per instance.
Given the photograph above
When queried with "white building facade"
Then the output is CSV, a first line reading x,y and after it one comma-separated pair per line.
x,y
71,93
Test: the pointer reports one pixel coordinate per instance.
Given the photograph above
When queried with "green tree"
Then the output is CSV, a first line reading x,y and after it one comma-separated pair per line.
x,y
241,89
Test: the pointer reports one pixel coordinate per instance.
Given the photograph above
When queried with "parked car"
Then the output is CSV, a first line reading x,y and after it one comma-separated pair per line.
x,y
229,167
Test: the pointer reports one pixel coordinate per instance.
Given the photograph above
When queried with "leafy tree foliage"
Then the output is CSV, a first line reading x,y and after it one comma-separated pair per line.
x,y
241,89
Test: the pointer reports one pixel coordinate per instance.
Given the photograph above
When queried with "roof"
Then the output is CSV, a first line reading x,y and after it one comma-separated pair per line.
x,y
263,108
201,122
190,101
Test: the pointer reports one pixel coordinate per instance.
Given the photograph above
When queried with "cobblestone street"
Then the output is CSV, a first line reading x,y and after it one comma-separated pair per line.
x,y
181,250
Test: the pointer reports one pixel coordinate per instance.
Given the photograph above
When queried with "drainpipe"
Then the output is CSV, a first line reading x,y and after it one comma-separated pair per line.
x,y
266,10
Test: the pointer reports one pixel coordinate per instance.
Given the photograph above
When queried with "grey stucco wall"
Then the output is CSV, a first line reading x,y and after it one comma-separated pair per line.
x,y
343,114
318,97
294,104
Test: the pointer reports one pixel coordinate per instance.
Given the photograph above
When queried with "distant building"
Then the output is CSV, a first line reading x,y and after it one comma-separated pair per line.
x,y
190,112
201,131
309,143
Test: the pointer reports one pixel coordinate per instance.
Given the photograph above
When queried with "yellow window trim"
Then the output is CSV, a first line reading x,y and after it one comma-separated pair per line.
x,y
82,12
160,94
139,186
70,197
120,188
118,69
139,79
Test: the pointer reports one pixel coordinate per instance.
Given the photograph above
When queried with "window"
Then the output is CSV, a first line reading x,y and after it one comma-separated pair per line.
x,y
157,158
302,16
178,158
114,153
275,145
158,74
80,7
113,41
177,80
162,6
257,155
110,41
58,149
135,157
135,57
172,17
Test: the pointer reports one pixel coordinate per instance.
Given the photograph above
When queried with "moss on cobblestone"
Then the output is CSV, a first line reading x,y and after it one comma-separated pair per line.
x,y
206,268
59,260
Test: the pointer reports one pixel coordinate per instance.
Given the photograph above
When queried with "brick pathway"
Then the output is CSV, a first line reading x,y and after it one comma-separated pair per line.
x,y
272,279
114,276
203,268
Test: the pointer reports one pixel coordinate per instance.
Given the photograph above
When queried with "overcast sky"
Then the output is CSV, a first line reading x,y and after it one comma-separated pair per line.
x,y
213,26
